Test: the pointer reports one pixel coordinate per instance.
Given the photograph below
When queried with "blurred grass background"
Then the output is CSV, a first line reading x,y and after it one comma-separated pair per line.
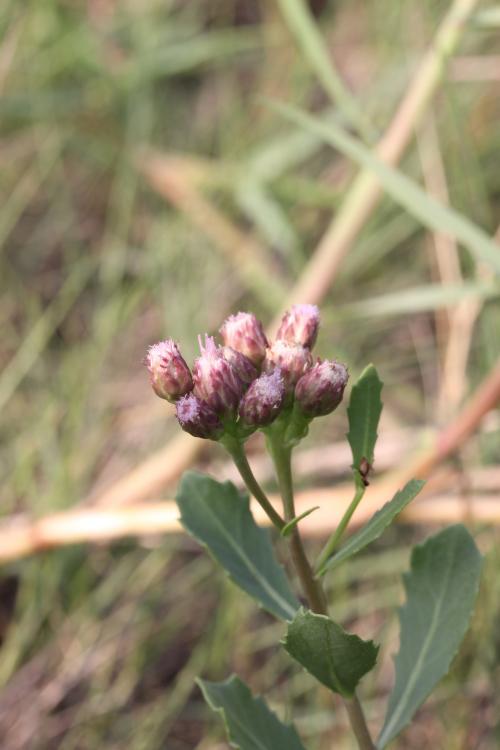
x,y
100,644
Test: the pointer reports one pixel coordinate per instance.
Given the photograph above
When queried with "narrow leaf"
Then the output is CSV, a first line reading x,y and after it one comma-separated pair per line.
x,y
301,22
376,525
402,189
335,658
364,412
420,299
289,527
440,592
250,724
219,517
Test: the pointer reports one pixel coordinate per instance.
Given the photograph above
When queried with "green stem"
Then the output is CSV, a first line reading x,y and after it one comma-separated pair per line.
x,y
358,723
337,535
312,587
235,448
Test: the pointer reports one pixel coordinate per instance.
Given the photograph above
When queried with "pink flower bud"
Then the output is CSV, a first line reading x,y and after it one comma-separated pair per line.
x,y
198,418
244,333
292,359
300,325
216,381
320,390
169,374
262,403
241,364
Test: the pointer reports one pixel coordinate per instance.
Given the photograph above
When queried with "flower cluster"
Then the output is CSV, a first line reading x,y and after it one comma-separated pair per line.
x,y
247,382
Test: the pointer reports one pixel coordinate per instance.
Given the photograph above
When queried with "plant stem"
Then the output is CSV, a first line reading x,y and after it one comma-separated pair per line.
x,y
358,723
337,535
237,453
312,587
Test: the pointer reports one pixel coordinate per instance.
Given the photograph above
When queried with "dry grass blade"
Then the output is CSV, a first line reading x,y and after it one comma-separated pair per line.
x,y
480,68
365,192
357,208
483,400
454,326
301,23
100,525
244,253
148,478
71,527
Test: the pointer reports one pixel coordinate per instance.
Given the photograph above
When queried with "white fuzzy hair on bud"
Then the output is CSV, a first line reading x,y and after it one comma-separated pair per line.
x,y
198,418
292,359
270,387
321,389
264,399
158,353
170,376
209,348
188,409
216,380
244,333
299,325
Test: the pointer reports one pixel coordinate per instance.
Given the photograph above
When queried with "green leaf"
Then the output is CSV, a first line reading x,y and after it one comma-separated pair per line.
x,y
219,517
336,658
289,527
250,725
364,412
406,192
376,525
440,592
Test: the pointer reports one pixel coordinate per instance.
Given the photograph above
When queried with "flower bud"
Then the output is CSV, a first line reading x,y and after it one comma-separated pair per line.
x,y
320,390
198,418
169,374
245,333
244,368
216,381
292,359
262,403
299,325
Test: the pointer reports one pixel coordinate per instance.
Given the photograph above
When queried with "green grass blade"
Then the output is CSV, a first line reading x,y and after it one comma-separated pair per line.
x,y
421,299
301,23
402,189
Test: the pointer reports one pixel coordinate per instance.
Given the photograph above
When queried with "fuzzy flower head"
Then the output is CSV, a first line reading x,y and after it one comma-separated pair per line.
x,y
169,374
244,368
293,360
264,399
244,333
216,381
320,390
299,325
198,418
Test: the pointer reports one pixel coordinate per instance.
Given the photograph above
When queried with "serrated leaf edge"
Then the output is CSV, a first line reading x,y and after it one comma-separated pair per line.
x,y
245,499
302,612
231,680
406,576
